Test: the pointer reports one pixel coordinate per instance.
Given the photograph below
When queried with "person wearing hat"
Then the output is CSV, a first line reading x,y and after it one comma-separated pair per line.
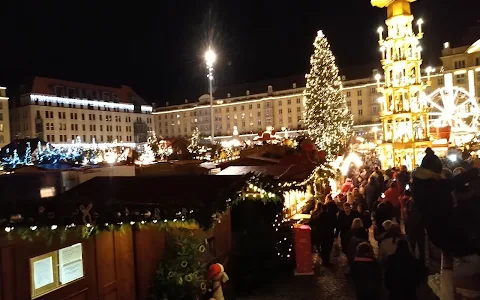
x,y
347,186
433,196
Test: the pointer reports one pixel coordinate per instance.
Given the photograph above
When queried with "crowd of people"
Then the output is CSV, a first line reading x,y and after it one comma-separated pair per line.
x,y
378,202
375,207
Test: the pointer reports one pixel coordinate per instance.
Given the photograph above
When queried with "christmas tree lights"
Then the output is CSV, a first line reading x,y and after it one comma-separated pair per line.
x,y
194,140
28,155
327,118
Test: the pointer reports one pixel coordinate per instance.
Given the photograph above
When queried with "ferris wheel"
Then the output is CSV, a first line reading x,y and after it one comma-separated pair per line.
x,y
454,107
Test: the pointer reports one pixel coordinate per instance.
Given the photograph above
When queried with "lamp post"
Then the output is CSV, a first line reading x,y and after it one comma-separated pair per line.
x,y
419,23
210,58
380,33
429,70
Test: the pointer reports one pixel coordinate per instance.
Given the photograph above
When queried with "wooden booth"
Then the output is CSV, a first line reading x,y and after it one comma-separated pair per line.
x,y
103,239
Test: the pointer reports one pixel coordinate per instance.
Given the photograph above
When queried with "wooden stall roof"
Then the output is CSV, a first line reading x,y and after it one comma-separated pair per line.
x,y
296,172
165,191
112,200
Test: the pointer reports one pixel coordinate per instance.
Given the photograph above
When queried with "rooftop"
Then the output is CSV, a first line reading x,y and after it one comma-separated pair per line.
x,y
46,86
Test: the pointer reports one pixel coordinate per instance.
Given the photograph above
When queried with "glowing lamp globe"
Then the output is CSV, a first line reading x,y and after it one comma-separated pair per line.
x,y
210,57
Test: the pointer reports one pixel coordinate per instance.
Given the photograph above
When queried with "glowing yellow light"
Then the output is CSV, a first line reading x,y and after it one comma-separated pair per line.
x,y
351,158
210,57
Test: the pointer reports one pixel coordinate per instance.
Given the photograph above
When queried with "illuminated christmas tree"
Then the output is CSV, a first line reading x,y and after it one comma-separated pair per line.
x,y
326,115
194,141
12,161
28,155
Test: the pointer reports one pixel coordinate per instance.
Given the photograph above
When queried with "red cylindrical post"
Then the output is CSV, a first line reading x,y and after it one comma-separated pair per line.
x,y
303,250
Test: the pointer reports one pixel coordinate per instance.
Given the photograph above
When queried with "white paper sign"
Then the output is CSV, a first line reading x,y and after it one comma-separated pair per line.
x,y
70,254
71,271
43,272
70,262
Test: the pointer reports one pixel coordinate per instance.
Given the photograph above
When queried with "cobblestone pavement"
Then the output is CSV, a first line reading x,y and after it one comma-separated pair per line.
x,y
327,283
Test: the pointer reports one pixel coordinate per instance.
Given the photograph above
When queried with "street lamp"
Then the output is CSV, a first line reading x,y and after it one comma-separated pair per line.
x,y
210,58
429,70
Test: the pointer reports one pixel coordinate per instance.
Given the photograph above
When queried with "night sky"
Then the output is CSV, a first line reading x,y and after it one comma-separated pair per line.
x,y
157,47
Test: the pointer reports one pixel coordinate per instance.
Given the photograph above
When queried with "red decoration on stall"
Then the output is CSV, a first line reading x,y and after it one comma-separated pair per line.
x,y
308,147
321,154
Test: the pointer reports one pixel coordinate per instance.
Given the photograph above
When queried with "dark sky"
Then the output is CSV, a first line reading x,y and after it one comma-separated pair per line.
x,y
157,47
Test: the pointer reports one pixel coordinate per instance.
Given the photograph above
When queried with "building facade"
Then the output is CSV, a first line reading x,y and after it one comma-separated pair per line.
x,y
4,118
251,108
258,106
59,111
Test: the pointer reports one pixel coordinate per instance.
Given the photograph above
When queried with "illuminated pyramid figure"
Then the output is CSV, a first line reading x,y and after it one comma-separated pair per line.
x,y
403,114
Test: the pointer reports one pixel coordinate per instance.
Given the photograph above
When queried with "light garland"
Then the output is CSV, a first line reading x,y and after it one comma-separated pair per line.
x,y
84,102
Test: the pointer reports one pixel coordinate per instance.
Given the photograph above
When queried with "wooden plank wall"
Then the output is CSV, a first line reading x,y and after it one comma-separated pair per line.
x,y
117,265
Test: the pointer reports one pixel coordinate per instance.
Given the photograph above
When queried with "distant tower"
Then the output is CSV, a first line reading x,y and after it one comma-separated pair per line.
x,y
403,113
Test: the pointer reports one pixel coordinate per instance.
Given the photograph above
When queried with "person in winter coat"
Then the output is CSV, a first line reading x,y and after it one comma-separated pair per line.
x,y
315,226
414,229
344,223
403,178
358,234
380,178
326,234
392,195
366,273
379,237
372,193
403,273
433,195
390,242
383,213
365,216
357,197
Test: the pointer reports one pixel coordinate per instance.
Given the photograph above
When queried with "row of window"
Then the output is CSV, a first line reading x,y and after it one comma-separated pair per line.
x,y
360,111
91,117
81,106
219,118
74,127
242,124
217,110
289,101
460,64
62,138
373,91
